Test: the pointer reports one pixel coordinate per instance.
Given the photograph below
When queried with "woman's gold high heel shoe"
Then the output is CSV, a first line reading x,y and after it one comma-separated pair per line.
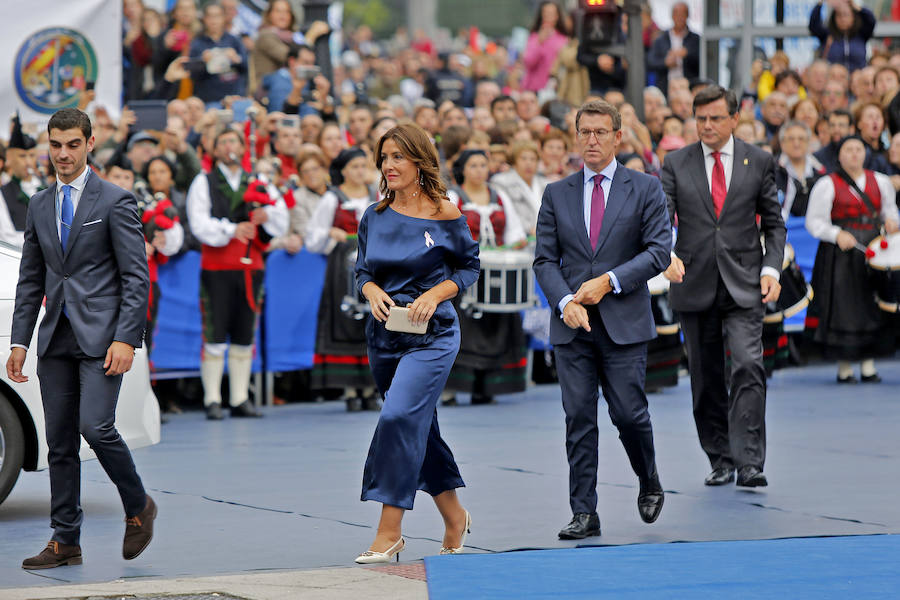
x,y
370,557
462,538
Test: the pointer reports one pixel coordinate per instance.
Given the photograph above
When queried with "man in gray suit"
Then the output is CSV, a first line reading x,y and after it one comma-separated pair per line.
x,y
601,234
721,281
84,251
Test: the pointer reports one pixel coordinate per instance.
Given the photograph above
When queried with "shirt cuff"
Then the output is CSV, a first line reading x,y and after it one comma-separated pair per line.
x,y
617,289
562,303
25,348
830,234
771,271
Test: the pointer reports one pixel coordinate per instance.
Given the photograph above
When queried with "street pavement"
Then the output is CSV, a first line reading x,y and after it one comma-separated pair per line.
x,y
269,508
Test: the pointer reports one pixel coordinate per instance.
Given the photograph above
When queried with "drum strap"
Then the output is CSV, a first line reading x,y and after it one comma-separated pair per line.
x,y
863,196
495,199
343,198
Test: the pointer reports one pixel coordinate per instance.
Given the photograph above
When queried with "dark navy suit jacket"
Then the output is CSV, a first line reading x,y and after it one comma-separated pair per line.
x,y
634,243
102,276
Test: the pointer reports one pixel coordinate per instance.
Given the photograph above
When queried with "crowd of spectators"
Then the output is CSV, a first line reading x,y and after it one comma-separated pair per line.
x,y
218,66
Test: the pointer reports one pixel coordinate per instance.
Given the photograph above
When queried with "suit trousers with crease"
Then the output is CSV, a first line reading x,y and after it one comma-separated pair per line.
x,y
730,419
591,361
80,400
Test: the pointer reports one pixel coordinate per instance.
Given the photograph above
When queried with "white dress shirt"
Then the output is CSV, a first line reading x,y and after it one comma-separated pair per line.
x,y
727,158
587,193
821,200
75,195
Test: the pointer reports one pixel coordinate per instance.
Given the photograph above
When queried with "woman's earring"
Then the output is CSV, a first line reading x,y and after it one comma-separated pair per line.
x,y
421,179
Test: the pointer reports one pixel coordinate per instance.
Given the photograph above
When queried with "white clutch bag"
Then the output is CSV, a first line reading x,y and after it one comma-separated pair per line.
x,y
398,320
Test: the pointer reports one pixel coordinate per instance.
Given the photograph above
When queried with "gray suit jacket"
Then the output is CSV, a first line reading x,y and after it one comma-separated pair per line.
x,y
102,276
634,244
730,245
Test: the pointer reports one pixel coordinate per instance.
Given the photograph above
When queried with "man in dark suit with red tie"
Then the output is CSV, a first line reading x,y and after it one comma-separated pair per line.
x,y
717,188
601,234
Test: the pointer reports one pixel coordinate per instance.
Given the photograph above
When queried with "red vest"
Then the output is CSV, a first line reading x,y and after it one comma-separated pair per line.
x,y
849,209
473,217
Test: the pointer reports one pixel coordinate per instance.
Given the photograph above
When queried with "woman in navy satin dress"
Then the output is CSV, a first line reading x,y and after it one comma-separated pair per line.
x,y
415,249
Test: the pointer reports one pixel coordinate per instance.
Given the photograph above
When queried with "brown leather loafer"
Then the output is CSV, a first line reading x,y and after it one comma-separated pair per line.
x,y
54,555
139,531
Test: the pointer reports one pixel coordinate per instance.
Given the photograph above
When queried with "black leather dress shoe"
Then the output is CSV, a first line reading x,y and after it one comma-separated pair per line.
x,y
751,476
873,378
214,412
650,500
245,409
848,379
720,476
581,526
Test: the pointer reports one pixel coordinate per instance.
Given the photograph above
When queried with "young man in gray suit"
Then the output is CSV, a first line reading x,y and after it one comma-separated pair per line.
x,y
84,251
601,234
721,281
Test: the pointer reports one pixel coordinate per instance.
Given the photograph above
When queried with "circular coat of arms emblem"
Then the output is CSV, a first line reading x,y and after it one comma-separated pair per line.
x,y
51,67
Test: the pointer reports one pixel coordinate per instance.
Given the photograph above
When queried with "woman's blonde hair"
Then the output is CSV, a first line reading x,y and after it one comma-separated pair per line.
x,y
416,146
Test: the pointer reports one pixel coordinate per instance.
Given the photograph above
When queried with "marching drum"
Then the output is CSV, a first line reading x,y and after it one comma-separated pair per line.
x,y
796,293
505,285
883,260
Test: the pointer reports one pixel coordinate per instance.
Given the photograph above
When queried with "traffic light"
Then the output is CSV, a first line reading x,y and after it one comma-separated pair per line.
x,y
599,5
598,26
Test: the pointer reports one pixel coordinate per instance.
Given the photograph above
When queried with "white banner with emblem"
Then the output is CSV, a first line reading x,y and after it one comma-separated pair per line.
x,y
53,50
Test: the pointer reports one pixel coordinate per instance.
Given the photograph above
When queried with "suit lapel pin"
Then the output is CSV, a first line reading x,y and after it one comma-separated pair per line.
x,y
746,161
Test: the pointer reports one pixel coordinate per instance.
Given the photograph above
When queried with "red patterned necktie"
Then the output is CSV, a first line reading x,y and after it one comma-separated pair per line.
x,y
719,190
598,206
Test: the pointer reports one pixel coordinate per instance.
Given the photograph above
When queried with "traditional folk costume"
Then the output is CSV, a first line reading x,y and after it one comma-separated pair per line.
x,y
340,360
17,192
158,213
231,284
843,317
493,352
340,357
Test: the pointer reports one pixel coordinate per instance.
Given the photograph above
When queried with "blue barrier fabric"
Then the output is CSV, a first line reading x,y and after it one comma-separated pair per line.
x,y
293,289
178,339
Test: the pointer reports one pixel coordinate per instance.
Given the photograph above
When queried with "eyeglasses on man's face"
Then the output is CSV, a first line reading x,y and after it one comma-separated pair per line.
x,y
600,134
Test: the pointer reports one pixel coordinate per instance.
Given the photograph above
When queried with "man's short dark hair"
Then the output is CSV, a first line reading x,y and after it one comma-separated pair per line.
x,y
70,118
841,112
500,99
711,93
226,131
600,107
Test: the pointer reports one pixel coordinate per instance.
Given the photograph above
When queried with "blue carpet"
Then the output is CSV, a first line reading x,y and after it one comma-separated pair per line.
x,y
858,567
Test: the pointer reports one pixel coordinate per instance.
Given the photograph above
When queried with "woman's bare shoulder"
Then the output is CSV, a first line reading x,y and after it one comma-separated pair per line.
x,y
449,211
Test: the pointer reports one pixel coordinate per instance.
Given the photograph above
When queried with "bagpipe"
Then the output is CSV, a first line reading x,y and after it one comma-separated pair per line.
x,y
156,210
262,192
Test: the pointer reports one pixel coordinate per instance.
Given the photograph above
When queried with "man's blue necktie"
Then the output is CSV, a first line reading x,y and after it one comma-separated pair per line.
x,y
65,216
